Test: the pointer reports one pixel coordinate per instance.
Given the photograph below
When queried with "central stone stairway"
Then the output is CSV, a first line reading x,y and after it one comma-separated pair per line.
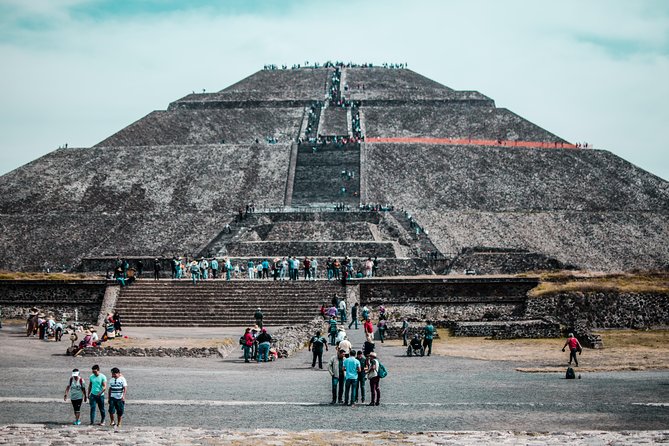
x,y
220,303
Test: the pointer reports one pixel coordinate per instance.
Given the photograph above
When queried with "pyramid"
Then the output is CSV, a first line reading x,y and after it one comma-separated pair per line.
x,y
479,181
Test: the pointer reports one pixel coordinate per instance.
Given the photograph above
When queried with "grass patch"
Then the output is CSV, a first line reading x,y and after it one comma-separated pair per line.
x,y
14,275
554,283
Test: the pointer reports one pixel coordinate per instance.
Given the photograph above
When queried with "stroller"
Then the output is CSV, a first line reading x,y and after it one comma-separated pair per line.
x,y
415,347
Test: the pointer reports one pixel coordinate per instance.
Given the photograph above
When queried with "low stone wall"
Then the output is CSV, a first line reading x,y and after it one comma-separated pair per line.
x,y
82,298
603,310
203,352
508,329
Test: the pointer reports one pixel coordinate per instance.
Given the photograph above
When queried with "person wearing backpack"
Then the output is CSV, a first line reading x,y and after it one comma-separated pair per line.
x,y
374,378
77,390
316,344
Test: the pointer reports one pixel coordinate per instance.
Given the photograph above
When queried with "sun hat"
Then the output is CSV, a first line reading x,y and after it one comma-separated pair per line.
x,y
75,372
372,354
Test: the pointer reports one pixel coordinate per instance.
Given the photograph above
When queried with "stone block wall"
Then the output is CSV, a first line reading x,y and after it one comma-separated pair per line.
x,y
603,310
502,261
52,297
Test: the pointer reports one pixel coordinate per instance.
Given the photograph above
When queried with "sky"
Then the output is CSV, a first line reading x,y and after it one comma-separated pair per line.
x,y
76,71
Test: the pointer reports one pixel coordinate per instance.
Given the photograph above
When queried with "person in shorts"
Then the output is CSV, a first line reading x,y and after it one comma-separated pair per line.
x,y
117,388
76,387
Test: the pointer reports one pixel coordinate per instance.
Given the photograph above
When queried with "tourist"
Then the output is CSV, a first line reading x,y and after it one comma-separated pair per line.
x,y
375,266
369,265
307,268
329,267
316,344
354,316
228,268
314,268
342,310
76,387
156,269
264,339
369,330
405,331
336,269
140,268
259,270
258,317
250,266
265,269
247,344
117,390
214,268
284,269
336,369
341,335
362,377
352,369
381,327
96,393
365,313
344,344
574,347
117,324
428,335
374,378
333,329
194,271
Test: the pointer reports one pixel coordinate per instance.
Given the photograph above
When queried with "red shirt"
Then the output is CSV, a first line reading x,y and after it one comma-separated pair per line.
x,y
573,343
369,328
248,337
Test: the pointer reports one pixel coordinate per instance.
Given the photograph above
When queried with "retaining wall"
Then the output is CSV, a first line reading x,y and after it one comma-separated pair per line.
x,y
52,297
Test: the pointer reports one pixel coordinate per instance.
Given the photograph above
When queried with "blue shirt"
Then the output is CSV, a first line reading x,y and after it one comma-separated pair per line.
x,y
351,365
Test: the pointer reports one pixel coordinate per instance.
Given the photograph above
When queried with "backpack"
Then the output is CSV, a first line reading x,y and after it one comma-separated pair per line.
x,y
382,370
570,373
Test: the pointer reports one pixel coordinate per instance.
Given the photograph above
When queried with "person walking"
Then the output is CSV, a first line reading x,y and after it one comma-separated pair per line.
x,y
427,338
332,331
574,347
117,389
354,316
336,369
258,317
374,378
316,344
96,393
351,369
381,325
342,310
76,387
369,330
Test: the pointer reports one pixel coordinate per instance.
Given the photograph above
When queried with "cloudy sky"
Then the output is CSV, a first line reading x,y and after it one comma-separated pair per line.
x,y
76,71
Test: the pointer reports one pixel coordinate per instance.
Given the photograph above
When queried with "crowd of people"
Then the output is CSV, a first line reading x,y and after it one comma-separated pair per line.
x,y
336,64
349,369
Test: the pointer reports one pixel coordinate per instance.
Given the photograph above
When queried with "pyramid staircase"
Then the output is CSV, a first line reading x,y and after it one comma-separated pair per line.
x,y
220,303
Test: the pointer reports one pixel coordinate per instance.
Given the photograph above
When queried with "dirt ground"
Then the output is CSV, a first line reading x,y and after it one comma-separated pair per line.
x,y
623,350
